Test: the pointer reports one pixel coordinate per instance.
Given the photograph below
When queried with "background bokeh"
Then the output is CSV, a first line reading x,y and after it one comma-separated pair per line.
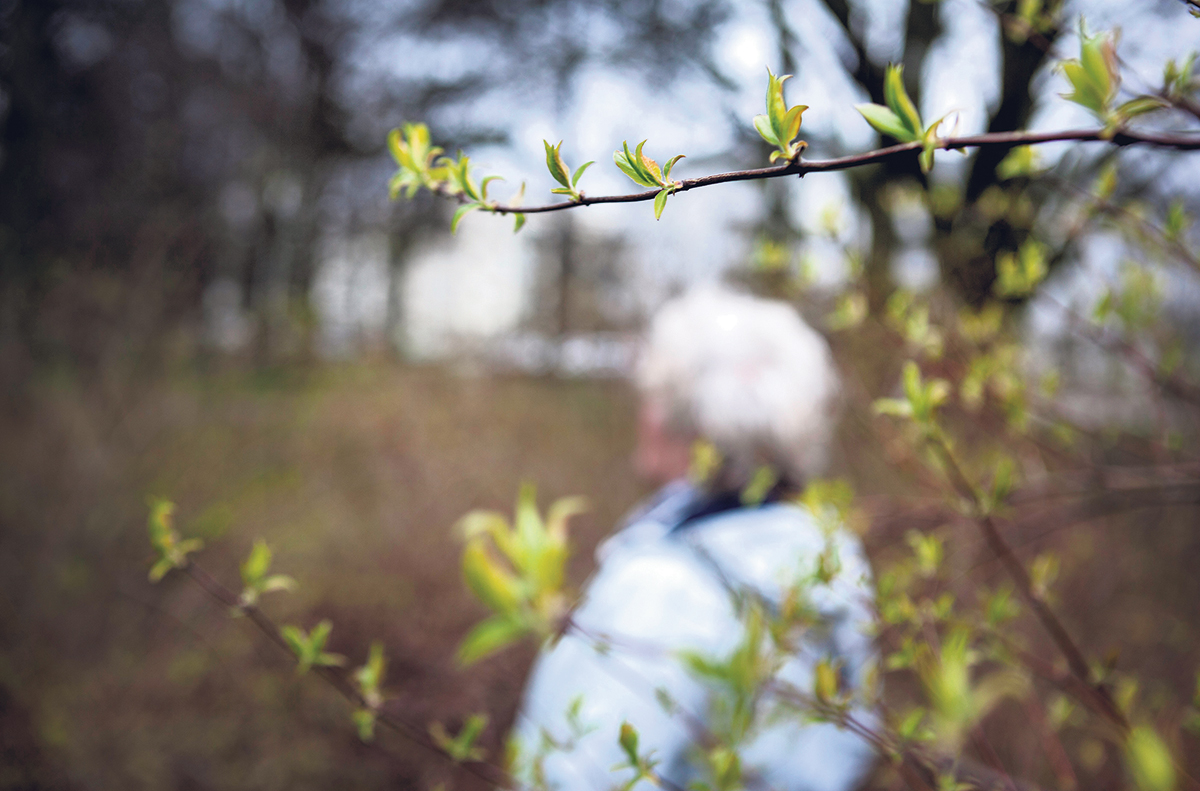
x,y
205,295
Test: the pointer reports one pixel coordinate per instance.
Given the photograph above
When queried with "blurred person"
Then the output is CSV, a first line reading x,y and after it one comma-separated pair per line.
x,y
749,379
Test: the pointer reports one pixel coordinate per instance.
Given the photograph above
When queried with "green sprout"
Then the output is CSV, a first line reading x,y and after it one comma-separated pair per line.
x,y
255,579
921,399
900,119
461,747
1095,79
558,169
415,157
368,678
645,171
523,585
172,551
781,124
310,648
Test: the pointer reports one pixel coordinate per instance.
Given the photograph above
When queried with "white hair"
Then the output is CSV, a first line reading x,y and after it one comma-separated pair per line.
x,y
746,374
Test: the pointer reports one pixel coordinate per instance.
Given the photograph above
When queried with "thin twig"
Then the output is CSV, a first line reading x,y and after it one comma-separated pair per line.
x,y
1016,570
489,773
1169,243
1168,383
802,167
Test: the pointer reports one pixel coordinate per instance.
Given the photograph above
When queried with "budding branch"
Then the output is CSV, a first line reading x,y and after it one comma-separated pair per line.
x,y
801,167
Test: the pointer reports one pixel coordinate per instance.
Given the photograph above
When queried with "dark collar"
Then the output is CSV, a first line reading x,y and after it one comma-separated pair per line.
x,y
680,504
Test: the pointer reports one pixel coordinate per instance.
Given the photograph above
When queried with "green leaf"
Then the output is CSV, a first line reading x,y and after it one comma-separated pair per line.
x,y
278,582
825,681
893,407
760,485
329,660
461,747
461,212
370,675
792,122
489,636
398,149
1140,106
1149,760
925,158
483,186
928,551
776,106
319,634
897,100
160,569
554,162
910,728
885,121
295,638
628,739
631,164
364,723
660,202
1084,92
493,585
580,171
850,311
1018,275
561,512
648,166
1094,76
257,563
1042,573
666,173
172,552
1001,607
1098,56
763,125
1021,161
518,221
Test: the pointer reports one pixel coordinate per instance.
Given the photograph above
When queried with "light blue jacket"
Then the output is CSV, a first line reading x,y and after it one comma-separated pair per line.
x,y
664,584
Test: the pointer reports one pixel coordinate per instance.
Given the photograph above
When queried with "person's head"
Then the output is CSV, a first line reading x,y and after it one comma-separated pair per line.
x,y
743,373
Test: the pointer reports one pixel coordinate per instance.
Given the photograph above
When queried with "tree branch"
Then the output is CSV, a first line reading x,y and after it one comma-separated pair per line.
x,y
802,167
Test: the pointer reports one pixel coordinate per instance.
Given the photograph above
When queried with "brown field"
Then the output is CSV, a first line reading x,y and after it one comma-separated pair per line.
x,y
355,475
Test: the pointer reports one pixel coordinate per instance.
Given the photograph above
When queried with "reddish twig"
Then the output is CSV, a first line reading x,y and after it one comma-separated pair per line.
x,y
802,167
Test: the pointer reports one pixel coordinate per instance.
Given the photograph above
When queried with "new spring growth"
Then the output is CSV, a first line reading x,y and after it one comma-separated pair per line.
x,y
310,648
461,747
462,184
172,551
780,126
645,171
1095,79
418,165
560,173
255,579
900,119
642,765
921,399
368,678
414,157
516,571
